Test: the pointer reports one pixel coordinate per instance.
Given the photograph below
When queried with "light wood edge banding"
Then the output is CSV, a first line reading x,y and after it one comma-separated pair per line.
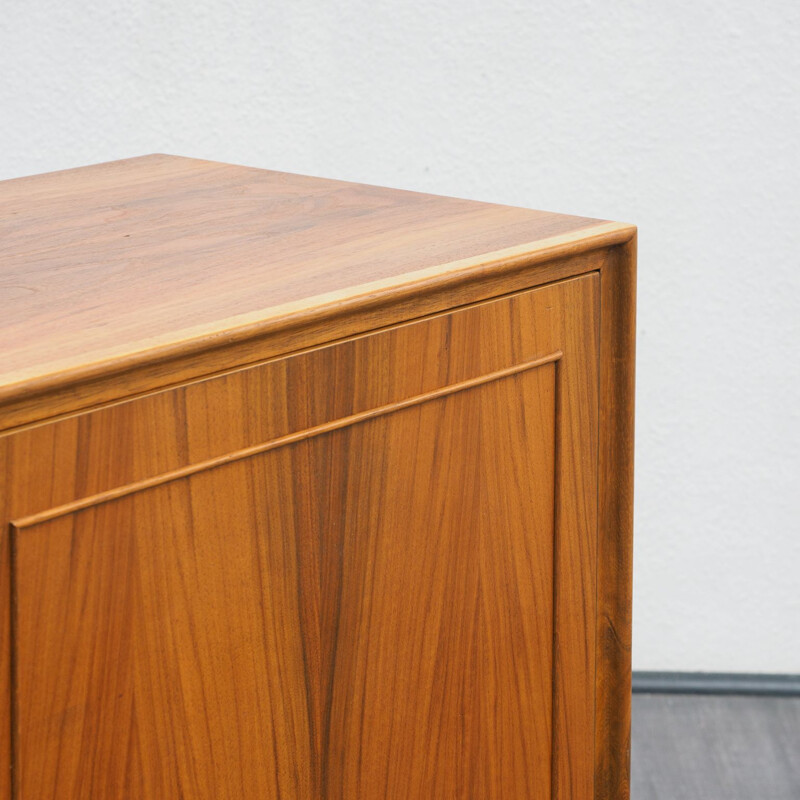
x,y
325,307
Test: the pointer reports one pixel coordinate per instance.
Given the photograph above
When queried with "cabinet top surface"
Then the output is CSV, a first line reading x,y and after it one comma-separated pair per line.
x,y
103,263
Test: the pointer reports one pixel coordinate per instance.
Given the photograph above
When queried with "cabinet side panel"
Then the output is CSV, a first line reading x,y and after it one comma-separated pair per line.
x,y
364,605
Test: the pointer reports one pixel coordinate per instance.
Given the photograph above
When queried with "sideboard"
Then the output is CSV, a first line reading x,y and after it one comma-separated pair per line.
x,y
310,490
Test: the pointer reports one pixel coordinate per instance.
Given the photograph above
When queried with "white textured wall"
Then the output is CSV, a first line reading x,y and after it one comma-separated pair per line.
x,y
682,117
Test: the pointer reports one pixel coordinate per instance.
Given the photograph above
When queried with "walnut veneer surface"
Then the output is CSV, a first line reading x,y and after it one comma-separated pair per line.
x,y
310,490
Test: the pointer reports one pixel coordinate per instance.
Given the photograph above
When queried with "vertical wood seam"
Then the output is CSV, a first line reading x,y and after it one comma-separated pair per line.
x,y
556,541
12,658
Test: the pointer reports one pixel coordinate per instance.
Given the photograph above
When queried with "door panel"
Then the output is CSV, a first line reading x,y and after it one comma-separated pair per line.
x,y
397,603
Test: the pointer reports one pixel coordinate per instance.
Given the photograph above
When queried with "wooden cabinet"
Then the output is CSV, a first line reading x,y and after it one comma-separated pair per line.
x,y
310,490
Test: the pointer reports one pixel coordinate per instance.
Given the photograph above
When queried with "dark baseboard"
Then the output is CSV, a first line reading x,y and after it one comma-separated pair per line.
x,y
716,683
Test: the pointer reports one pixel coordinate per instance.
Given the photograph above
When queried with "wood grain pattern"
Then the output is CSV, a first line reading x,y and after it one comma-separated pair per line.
x,y
142,264
295,625
327,427
502,474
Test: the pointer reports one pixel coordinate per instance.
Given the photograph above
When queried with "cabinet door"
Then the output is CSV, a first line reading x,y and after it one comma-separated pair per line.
x,y
390,595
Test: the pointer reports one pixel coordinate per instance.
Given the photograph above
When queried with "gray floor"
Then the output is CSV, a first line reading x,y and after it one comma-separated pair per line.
x,y
700,747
